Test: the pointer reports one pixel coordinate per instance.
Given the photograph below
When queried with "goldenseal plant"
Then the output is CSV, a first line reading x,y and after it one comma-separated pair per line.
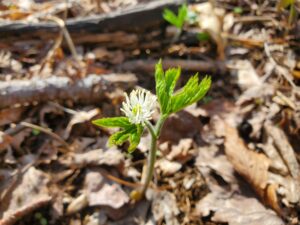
x,y
139,106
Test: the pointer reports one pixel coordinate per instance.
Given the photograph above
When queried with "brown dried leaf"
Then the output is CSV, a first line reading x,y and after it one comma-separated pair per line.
x,y
5,140
168,167
251,165
80,117
236,209
178,126
32,192
164,207
110,157
103,192
11,115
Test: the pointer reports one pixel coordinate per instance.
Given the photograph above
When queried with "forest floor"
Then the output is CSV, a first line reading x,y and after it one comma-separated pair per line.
x,y
233,158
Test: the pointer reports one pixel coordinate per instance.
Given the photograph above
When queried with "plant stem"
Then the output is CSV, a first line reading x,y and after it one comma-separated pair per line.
x,y
152,154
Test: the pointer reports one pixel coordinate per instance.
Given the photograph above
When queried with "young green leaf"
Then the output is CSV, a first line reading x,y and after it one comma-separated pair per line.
x,y
169,16
122,122
192,92
182,14
177,21
130,132
165,84
135,138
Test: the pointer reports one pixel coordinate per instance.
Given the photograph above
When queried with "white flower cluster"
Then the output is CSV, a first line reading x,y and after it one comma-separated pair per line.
x,y
139,106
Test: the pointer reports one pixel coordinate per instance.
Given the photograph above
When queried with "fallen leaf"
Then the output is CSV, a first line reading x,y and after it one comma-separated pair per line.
x,y
80,117
5,141
247,76
164,207
110,157
30,193
178,126
168,167
236,209
77,204
11,115
103,192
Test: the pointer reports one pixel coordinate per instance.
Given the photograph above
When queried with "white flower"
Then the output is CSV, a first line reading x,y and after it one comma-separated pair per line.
x,y
139,106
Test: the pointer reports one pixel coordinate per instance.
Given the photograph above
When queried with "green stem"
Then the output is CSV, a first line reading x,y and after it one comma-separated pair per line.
x,y
152,154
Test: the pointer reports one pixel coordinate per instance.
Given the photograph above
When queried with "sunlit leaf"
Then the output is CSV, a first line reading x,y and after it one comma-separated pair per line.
x,y
122,122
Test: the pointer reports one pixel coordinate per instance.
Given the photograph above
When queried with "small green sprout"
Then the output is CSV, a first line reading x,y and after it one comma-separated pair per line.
x,y
42,220
203,36
139,106
238,10
35,132
283,4
176,20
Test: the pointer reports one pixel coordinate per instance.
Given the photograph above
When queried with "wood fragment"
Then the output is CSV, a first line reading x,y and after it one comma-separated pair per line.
x,y
13,218
285,149
90,89
147,66
125,20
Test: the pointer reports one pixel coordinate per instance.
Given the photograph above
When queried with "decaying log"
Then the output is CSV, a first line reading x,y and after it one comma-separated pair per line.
x,y
147,66
140,17
87,90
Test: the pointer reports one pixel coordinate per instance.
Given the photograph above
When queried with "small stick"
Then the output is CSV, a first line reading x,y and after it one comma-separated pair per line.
x,y
47,131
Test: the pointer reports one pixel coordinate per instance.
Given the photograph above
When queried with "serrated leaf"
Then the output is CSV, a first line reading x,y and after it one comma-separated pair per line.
x,y
135,138
165,85
170,16
122,122
182,14
192,92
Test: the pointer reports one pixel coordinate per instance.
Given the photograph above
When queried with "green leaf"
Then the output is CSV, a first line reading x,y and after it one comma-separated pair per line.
x,y
135,138
130,132
165,85
182,14
122,122
282,4
172,18
238,10
169,16
192,92
203,36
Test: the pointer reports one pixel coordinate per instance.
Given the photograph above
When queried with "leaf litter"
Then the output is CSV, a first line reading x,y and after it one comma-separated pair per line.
x,y
233,159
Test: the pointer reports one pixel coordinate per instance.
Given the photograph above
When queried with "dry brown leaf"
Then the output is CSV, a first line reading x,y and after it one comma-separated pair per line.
x,y
5,141
235,209
164,207
110,157
168,167
103,192
183,151
19,138
247,76
178,126
80,117
31,193
211,159
251,165
11,115
77,204
285,149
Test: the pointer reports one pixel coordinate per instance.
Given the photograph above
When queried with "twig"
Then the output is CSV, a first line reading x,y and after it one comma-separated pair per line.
x,y
90,89
47,131
280,69
67,36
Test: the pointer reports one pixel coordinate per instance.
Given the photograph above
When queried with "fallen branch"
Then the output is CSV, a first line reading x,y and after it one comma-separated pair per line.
x,y
90,89
140,17
147,66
